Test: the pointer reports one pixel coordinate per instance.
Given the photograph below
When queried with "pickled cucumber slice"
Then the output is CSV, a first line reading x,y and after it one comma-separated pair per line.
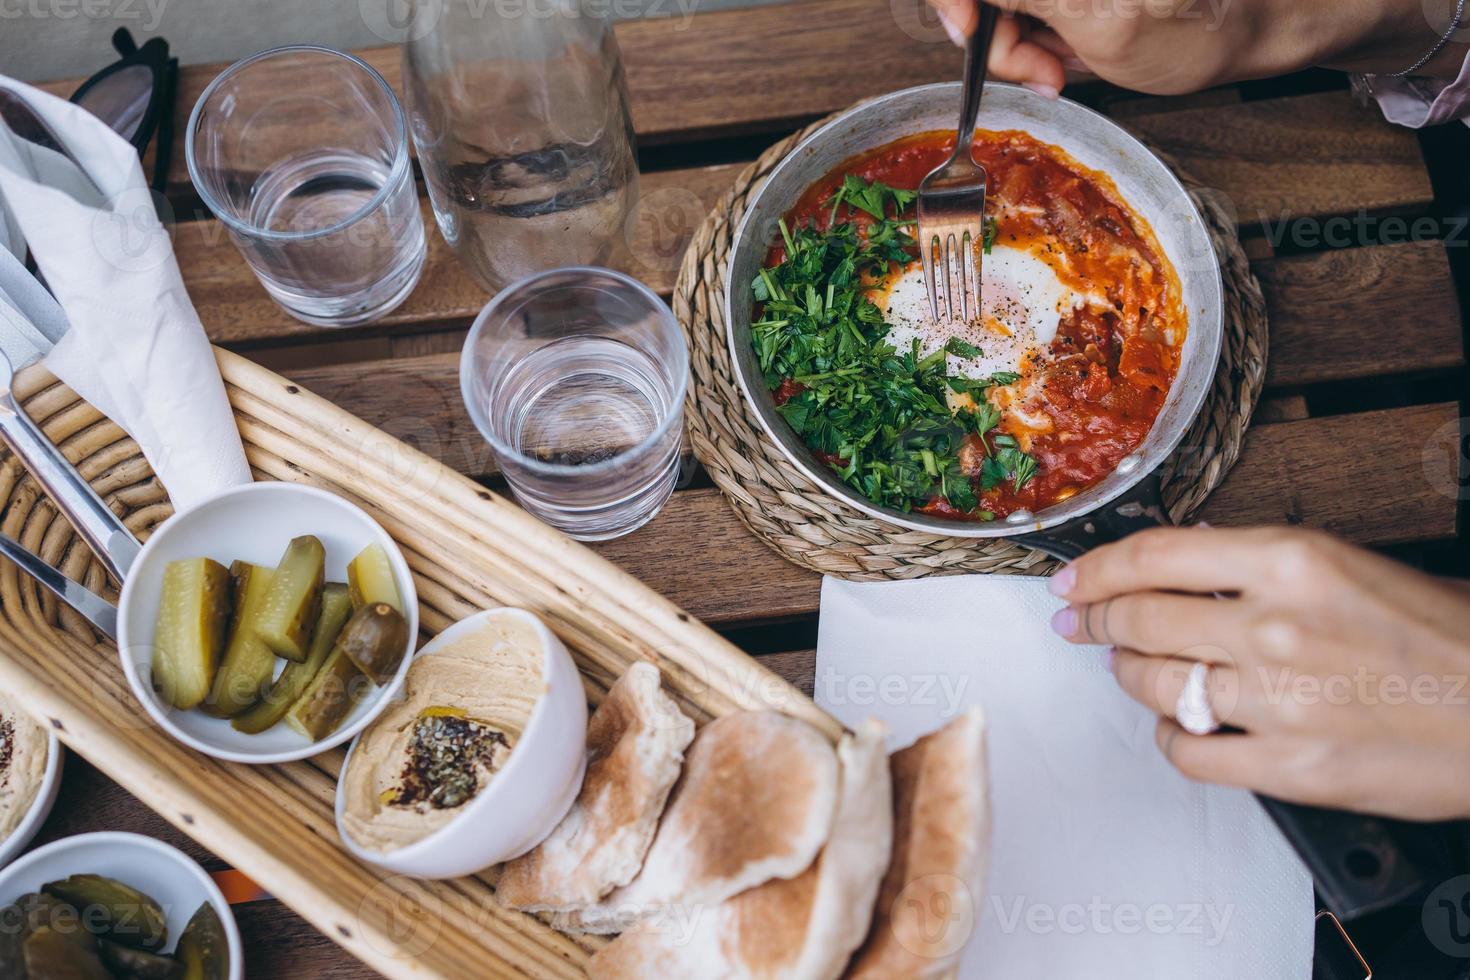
x,y
289,611
336,608
54,955
135,964
330,698
375,638
370,577
203,949
190,632
113,910
248,664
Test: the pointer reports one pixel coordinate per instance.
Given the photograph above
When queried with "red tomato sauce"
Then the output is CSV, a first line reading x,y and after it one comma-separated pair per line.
x,y
1101,382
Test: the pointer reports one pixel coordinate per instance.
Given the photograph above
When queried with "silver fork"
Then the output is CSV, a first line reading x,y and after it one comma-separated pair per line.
x,y
951,205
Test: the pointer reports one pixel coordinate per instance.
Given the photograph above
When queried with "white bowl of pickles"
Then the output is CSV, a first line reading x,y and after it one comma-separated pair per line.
x,y
267,624
114,905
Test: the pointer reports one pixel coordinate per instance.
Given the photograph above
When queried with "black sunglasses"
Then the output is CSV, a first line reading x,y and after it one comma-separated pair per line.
x,y
135,96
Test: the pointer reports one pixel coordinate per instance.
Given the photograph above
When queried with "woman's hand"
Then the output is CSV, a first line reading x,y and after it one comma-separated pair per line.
x,y
1167,47
1347,673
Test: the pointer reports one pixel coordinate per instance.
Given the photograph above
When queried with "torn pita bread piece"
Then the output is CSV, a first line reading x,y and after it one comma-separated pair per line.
x,y
930,900
755,802
635,751
802,928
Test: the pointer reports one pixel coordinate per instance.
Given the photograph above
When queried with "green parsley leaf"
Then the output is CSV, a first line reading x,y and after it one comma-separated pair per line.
x,y
961,348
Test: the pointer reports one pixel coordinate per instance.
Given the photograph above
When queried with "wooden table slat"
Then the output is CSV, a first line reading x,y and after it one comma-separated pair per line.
x,y
1302,157
1361,312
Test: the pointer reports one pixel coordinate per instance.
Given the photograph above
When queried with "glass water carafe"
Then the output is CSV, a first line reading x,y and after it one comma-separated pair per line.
x,y
519,114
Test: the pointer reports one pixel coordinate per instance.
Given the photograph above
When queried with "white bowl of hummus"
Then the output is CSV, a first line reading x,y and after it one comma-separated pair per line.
x,y
253,523
30,776
478,761
162,872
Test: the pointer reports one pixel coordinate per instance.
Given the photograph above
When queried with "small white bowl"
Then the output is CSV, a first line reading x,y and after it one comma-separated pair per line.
x,y
163,873
253,523
40,806
527,798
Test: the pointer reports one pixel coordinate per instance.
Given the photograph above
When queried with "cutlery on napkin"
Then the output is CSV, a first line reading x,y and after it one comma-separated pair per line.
x,y
120,330
1105,861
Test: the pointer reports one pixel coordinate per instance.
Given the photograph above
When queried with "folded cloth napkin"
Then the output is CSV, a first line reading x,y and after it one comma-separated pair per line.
x,y
1105,862
126,336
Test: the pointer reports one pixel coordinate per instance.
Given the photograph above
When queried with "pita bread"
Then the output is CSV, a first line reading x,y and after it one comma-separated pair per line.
x,y
755,802
931,895
802,928
635,749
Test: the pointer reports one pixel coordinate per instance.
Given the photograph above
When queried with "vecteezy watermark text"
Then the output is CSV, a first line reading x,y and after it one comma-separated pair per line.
x,y
944,692
1099,917
148,12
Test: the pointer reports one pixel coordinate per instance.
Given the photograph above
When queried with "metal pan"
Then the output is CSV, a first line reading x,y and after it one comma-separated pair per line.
x,y
1128,495
1360,864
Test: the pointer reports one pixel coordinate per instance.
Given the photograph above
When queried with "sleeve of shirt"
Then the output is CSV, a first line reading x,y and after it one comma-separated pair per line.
x,y
1419,102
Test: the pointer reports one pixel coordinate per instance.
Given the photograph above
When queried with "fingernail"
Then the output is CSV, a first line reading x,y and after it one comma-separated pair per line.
x,y
1045,91
1204,524
1112,656
1062,582
955,34
1064,621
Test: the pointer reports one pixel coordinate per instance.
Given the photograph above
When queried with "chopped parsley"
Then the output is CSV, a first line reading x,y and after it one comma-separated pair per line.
x,y
990,227
961,348
877,414
873,197
1007,463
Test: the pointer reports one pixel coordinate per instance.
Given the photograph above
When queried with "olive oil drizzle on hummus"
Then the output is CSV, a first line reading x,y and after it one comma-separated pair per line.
x,y
444,758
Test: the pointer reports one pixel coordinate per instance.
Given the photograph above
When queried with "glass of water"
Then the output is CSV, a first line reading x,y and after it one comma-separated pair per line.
x,y
302,152
576,378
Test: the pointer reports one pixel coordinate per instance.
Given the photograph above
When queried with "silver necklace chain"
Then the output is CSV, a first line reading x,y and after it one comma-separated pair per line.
x,y
1439,46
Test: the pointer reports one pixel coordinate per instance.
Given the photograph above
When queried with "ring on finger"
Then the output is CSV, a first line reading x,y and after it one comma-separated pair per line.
x,y
1193,710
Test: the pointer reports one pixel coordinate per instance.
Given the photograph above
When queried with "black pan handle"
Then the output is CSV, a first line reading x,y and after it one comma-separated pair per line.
x,y
1360,864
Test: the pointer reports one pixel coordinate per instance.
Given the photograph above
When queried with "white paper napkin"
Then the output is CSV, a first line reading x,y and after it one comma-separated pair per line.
x,y
1105,862
135,347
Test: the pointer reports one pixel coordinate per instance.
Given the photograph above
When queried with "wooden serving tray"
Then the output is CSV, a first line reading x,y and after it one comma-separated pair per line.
x,y
468,548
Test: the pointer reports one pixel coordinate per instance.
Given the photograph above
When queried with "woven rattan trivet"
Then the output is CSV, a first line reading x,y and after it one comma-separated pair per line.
x,y
795,517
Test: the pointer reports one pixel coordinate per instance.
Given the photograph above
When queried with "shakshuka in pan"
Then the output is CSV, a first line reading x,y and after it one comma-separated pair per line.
x,y
1038,397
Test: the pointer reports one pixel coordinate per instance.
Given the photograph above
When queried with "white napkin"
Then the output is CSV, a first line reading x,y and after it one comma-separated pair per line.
x,y
135,348
1105,862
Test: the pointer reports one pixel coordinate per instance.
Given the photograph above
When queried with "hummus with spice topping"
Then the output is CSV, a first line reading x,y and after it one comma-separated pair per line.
x,y
463,708
23,757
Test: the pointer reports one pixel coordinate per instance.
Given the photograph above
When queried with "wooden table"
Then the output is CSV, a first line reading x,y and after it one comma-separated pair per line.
x,y
1359,432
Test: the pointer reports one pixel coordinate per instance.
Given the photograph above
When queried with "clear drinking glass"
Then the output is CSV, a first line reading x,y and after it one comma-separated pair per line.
x,y
302,152
519,112
576,378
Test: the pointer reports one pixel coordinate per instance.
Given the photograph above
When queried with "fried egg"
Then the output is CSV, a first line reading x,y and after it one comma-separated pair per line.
x,y
1021,304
